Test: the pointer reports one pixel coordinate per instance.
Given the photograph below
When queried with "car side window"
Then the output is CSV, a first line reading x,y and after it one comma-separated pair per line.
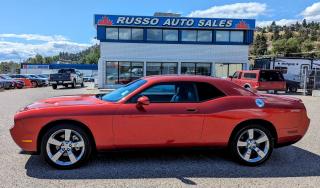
x,y
250,75
207,92
169,93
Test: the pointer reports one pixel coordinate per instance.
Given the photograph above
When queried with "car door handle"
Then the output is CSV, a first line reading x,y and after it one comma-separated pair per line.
x,y
192,110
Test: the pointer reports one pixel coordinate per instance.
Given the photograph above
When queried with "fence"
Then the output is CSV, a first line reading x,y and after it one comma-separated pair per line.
x,y
310,81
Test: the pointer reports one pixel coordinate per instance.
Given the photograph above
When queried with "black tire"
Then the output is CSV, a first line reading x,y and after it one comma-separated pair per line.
x,y
82,84
236,152
74,84
293,89
247,87
87,146
54,86
34,84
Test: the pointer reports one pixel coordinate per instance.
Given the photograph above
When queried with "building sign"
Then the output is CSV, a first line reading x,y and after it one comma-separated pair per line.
x,y
178,22
26,66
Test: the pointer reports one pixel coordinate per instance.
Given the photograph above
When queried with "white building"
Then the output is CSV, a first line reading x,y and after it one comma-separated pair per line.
x,y
136,46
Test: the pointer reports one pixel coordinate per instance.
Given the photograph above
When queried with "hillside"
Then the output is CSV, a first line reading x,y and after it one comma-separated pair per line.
x,y
88,56
299,40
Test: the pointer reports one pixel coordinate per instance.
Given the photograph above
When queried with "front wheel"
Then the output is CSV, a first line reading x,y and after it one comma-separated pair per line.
x,y
66,146
252,145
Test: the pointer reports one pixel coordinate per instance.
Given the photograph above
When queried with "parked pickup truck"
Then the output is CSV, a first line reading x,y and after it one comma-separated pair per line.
x,y
261,80
66,77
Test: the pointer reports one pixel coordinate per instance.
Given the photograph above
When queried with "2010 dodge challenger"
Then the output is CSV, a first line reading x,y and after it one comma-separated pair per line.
x,y
161,111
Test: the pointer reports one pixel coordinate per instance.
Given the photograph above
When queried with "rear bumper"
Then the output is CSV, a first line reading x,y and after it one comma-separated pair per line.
x,y
293,135
60,82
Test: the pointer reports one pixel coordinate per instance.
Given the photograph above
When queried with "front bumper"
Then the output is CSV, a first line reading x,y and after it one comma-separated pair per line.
x,y
25,139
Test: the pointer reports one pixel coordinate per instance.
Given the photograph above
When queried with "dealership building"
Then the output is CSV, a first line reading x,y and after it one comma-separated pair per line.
x,y
135,46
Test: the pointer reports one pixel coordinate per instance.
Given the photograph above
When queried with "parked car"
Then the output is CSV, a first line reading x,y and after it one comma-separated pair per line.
x,y
30,81
1,86
7,84
41,81
66,77
16,83
161,111
26,81
261,80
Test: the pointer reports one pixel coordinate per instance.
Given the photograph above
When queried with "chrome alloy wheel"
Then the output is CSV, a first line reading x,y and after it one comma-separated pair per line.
x,y
65,147
253,145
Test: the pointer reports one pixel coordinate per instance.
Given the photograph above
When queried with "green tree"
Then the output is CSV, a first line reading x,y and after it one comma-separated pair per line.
x,y
307,46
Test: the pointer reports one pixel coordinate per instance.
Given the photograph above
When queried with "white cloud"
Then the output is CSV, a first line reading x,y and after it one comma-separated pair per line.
x,y
236,10
281,22
49,45
35,37
312,13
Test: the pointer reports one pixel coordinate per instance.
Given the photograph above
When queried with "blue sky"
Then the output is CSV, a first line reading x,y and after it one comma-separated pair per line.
x,y
47,27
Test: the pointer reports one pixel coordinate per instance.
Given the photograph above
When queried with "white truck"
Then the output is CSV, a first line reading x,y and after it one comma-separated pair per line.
x,y
66,77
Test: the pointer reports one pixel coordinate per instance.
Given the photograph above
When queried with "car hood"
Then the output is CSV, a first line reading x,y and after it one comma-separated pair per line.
x,y
65,101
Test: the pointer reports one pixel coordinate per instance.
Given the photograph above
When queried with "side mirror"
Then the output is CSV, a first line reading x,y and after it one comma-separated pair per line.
x,y
143,101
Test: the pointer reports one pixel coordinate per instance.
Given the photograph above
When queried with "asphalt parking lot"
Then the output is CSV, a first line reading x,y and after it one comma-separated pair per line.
x,y
293,166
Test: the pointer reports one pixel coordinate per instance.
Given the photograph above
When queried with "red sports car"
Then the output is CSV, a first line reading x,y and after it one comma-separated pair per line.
x,y
161,111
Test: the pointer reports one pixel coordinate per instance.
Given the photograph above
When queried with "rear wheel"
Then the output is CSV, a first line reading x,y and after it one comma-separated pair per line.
x,y
74,84
54,86
34,84
66,146
293,89
252,145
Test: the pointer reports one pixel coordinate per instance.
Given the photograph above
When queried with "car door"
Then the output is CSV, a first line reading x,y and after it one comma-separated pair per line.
x,y
169,119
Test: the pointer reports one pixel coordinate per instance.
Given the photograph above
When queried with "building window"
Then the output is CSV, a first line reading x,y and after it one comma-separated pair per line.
x,y
155,68
169,68
196,68
222,36
223,70
203,69
137,34
170,35
189,35
204,36
236,36
111,72
112,33
234,68
124,34
154,34
123,72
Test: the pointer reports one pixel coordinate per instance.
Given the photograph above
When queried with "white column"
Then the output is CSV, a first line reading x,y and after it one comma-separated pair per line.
x,y
144,68
213,69
101,73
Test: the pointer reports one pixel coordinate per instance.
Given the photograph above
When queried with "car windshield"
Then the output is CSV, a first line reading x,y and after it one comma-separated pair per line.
x,y
42,76
5,77
118,94
32,76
